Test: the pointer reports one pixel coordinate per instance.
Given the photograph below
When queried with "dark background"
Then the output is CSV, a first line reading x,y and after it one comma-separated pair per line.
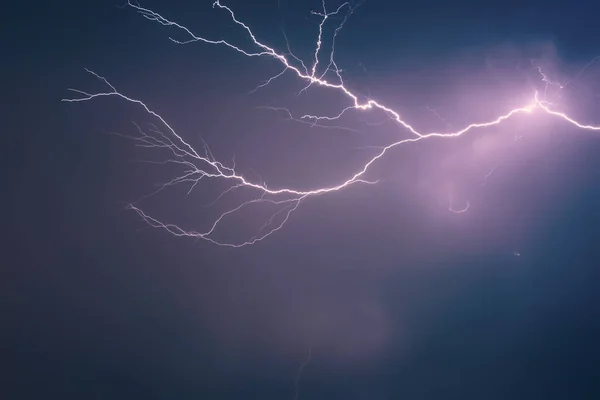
x,y
396,297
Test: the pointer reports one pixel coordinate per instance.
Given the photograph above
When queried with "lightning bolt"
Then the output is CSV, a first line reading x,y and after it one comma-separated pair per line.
x,y
299,373
198,166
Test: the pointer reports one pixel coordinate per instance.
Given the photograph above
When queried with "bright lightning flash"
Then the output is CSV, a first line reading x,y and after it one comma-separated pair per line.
x,y
286,200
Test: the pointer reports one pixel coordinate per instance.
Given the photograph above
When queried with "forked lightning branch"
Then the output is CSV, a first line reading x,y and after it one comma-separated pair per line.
x,y
321,70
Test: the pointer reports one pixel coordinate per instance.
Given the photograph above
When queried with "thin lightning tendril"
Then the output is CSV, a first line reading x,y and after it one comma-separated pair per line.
x,y
299,374
205,166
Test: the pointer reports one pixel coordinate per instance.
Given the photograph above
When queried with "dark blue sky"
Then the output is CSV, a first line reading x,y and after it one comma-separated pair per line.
x,y
397,297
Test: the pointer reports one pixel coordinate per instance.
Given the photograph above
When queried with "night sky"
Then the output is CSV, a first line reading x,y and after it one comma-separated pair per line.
x,y
394,296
